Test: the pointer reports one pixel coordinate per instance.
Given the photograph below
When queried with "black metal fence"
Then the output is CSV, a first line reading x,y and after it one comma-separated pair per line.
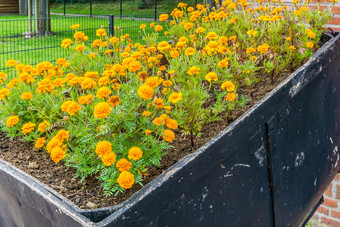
x,y
120,7
20,40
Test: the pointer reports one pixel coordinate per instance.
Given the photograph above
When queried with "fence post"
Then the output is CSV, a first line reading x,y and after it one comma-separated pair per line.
x,y
91,7
111,25
64,7
155,10
121,8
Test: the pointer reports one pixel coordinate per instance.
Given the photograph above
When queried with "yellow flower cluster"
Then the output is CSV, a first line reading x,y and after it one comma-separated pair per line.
x,y
114,105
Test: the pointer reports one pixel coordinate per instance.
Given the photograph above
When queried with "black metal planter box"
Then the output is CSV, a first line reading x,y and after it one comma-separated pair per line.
x,y
269,168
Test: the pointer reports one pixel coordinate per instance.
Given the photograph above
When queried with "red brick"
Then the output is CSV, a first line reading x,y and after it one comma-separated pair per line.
x,y
323,210
329,190
337,177
335,214
330,222
330,202
321,1
335,20
337,195
336,10
315,7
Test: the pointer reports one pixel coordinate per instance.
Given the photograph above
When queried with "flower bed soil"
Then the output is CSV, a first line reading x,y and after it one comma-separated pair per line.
x,y
88,194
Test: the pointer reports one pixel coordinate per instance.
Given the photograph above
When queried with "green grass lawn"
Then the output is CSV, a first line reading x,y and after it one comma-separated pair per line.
x,y
109,7
14,44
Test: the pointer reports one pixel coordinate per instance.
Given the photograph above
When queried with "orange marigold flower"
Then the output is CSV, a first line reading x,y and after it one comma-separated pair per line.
x,y
109,158
163,17
193,70
66,43
252,33
101,32
43,126
147,132
190,51
160,120
167,83
135,153
65,105
88,83
114,101
92,55
45,85
97,43
167,108
26,78
58,82
292,48
142,26
86,99
211,35
80,48
188,26
39,143
168,135
263,48
102,110
231,97
146,113
126,180
145,92
54,142
12,121
103,147
310,34
175,97
309,44
223,63
158,102
116,86
26,96
171,123
143,75
12,83
103,92
228,85
80,37
158,28
103,81
200,30
11,63
72,107
113,40
250,50
3,76
62,135
75,26
135,66
163,46
162,68
27,128
211,76
153,81
123,165
57,154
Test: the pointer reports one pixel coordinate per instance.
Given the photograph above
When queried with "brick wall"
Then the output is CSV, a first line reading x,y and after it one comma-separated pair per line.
x,y
329,212
335,22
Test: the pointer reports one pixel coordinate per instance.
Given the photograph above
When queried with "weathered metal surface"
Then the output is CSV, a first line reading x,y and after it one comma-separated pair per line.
x,y
269,168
